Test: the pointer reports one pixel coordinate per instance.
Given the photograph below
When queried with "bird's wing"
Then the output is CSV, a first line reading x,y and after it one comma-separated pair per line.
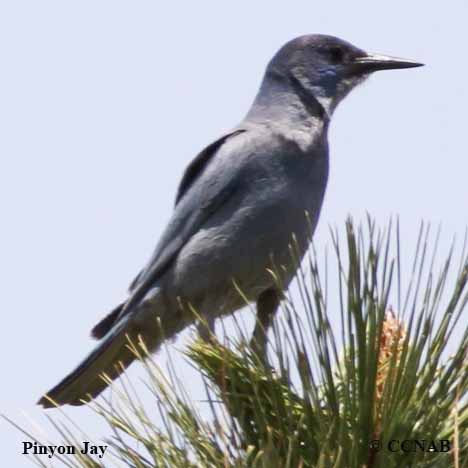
x,y
193,171
199,163
189,214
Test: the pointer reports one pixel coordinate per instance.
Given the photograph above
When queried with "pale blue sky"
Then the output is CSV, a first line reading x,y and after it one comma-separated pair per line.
x,y
102,105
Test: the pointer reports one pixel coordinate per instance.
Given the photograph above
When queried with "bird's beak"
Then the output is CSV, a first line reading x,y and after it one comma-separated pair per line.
x,y
374,62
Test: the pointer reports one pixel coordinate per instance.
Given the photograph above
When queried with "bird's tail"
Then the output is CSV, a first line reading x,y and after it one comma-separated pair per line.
x,y
153,322
110,357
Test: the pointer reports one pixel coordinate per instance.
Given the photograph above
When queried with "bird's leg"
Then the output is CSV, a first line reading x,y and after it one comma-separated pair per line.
x,y
267,304
206,328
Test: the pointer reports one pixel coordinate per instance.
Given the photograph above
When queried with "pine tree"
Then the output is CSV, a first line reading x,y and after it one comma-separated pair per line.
x,y
376,389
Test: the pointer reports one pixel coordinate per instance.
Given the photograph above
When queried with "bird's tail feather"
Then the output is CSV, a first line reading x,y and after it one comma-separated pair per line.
x,y
110,357
113,354
103,327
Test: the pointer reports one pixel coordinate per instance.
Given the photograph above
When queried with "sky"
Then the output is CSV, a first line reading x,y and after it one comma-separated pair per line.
x,y
104,103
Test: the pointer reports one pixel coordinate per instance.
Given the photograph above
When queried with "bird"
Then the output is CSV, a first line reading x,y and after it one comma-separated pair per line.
x,y
240,203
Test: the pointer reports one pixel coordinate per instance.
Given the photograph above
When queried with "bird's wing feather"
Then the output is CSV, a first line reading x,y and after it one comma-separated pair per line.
x,y
191,174
199,163
189,214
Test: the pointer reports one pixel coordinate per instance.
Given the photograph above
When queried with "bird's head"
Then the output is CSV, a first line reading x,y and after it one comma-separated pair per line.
x,y
327,67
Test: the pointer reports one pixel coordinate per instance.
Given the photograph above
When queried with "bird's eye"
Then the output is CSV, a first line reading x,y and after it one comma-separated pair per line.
x,y
336,54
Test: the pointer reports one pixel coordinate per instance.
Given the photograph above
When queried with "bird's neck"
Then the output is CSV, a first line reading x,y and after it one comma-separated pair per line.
x,y
283,102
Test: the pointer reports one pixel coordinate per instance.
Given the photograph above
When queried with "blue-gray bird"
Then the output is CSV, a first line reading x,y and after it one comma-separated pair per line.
x,y
238,204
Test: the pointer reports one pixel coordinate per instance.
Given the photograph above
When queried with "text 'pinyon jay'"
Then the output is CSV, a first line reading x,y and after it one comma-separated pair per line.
x,y
238,204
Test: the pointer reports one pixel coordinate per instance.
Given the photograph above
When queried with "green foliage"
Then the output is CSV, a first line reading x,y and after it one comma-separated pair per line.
x,y
376,374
